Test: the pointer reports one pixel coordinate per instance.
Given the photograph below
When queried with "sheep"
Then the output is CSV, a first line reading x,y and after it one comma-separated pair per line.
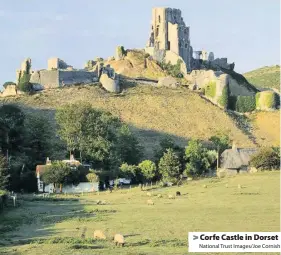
x,y
148,194
226,185
98,234
150,202
159,195
205,186
171,196
178,193
119,240
240,186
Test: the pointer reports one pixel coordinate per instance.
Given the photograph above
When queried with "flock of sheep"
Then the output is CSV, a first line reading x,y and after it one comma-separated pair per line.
x,y
150,202
118,239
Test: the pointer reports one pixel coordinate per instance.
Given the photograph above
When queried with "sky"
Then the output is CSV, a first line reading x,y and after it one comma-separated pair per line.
x,y
247,32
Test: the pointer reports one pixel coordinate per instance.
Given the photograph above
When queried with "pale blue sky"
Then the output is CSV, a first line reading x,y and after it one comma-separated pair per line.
x,y
244,31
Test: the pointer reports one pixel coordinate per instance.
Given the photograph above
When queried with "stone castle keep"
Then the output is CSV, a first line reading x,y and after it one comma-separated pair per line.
x,y
170,39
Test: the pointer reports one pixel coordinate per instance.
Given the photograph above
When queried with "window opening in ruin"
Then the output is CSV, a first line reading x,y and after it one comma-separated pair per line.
x,y
157,31
169,45
159,19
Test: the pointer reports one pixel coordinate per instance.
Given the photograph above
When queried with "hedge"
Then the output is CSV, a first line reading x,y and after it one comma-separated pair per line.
x,y
210,89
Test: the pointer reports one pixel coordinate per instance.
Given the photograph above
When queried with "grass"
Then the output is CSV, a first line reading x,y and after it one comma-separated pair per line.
x,y
265,77
68,227
151,112
266,127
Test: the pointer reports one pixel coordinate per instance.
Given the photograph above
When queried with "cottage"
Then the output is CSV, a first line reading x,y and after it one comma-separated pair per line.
x,y
81,187
236,160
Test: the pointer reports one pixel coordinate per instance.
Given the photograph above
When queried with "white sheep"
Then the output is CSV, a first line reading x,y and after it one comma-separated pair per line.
x,y
119,240
148,194
98,234
150,202
159,195
171,197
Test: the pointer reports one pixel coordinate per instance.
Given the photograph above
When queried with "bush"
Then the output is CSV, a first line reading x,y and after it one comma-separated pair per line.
x,y
210,89
266,159
245,103
267,100
173,70
224,98
24,84
242,103
148,169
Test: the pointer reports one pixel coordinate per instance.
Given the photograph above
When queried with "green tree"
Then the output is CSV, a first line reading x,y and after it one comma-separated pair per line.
x,y
221,143
11,129
165,143
128,146
127,171
4,174
198,158
92,177
169,166
59,173
148,169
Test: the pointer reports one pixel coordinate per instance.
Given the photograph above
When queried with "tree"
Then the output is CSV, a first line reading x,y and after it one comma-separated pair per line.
x,y
169,166
127,171
266,159
4,174
59,173
221,142
198,158
11,129
92,177
165,143
148,169
128,146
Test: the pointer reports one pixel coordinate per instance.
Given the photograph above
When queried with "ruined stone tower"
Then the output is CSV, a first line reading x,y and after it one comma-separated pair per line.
x,y
169,32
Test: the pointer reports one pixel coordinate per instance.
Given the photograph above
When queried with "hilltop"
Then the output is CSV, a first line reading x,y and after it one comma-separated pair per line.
x,y
265,77
153,113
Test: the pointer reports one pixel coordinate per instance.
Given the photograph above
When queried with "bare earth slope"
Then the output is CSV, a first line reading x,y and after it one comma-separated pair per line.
x,y
151,112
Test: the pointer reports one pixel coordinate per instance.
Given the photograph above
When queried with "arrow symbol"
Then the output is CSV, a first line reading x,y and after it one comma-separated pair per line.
x,y
195,237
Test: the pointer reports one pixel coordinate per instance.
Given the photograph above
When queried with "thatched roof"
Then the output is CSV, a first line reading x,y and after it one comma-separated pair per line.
x,y
236,158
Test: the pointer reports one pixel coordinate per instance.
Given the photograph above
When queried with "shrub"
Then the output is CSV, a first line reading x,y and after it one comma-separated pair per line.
x,y
245,104
232,102
224,98
266,159
148,169
210,89
24,84
267,100
173,70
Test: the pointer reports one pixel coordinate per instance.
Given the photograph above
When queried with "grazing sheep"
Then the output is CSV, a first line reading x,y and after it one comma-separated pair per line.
x,y
171,197
239,186
119,240
98,234
159,195
226,185
148,194
205,186
150,202
178,193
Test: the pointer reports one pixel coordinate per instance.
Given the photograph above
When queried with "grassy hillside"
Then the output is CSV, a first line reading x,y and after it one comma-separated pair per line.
x,y
266,127
46,227
265,77
151,112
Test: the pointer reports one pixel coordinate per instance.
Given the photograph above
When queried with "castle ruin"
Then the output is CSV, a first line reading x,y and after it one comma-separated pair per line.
x,y
169,41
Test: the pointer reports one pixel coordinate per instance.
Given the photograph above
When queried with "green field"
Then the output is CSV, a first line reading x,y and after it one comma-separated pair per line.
x,y
48,227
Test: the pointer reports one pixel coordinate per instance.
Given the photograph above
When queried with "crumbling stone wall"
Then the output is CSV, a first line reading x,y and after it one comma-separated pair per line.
x,y
47,78
66,77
